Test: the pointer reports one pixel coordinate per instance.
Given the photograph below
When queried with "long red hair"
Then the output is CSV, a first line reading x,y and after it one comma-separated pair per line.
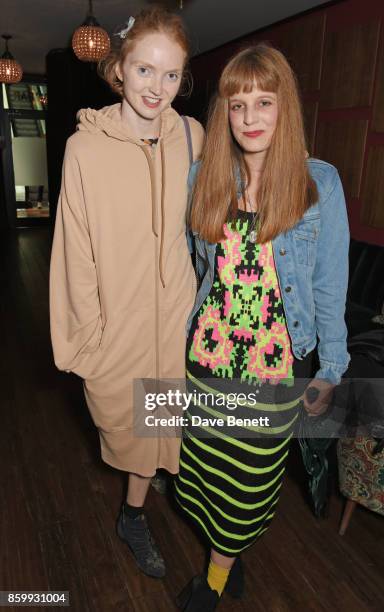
x,y
286,189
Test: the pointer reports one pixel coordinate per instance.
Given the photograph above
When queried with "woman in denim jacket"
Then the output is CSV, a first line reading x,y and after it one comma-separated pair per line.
x,y
272,237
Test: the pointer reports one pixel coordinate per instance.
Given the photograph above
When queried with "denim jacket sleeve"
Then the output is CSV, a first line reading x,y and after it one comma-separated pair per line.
x,y
329,283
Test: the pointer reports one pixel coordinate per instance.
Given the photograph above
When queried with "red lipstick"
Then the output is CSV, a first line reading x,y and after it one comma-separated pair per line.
x,y
253,134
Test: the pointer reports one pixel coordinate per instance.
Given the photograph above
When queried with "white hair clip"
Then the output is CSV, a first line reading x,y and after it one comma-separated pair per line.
x,y
124,32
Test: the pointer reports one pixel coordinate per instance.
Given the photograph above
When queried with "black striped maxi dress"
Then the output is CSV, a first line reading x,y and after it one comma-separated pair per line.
x,y
231,471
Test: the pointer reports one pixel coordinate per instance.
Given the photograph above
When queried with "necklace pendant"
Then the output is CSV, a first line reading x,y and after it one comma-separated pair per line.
x,y
252,236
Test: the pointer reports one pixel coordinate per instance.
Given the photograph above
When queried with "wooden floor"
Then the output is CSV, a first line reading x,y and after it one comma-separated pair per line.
x,y
59,501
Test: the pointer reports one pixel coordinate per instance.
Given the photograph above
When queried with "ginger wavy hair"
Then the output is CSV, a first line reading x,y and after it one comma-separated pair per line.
x,y
148,21
286,189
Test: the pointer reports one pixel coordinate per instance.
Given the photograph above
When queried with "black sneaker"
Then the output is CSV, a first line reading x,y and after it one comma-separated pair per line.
x,y
135,532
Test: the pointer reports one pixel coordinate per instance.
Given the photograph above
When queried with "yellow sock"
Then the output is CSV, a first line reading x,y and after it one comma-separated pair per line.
x,y
217,577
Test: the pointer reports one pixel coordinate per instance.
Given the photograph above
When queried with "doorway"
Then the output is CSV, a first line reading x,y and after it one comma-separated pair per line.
x,y
24,153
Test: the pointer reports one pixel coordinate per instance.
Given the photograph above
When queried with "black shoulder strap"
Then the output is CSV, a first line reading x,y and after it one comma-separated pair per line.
x,y
189,138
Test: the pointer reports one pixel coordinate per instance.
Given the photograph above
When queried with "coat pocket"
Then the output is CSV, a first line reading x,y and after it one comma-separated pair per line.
x,y
89,359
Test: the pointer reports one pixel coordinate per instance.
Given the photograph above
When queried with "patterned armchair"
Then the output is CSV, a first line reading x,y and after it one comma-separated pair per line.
x,y
361,475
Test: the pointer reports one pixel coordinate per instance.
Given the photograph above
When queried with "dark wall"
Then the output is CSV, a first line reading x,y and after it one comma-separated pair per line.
x,y
3,215
338,55
7,191
72,85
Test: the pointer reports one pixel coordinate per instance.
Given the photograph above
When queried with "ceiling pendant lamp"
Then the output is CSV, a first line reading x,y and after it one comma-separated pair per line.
x,y
10,69
90,42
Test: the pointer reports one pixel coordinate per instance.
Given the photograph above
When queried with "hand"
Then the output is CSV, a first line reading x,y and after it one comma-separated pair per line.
x,y
320,391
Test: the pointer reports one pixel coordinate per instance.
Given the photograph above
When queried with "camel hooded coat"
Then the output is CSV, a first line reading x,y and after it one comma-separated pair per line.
x,y
121,283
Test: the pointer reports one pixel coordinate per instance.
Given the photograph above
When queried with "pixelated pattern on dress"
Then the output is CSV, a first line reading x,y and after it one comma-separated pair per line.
x,y
241,330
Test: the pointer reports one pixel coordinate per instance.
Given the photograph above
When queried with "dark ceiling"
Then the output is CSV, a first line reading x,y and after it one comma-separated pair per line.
x,y
41,25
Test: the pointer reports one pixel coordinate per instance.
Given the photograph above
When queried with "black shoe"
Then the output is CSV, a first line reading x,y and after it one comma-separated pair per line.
x,y
198,596
135,532
235,583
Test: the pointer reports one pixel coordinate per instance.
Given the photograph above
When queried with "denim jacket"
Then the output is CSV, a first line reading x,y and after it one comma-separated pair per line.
x,y
311,261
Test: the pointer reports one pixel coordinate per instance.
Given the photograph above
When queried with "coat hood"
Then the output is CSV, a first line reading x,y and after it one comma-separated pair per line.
x,y
108,120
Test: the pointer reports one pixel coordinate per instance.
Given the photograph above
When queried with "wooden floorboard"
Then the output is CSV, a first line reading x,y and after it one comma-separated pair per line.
x,y
60,502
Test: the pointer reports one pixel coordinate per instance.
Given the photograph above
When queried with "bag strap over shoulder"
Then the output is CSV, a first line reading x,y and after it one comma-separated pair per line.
x,y
190,154
189,138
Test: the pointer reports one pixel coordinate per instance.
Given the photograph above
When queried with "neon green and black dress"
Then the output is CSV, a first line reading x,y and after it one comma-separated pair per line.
x,y
230,476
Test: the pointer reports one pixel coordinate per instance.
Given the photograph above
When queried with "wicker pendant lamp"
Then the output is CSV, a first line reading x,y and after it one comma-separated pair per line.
x,y
10,69
90,42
